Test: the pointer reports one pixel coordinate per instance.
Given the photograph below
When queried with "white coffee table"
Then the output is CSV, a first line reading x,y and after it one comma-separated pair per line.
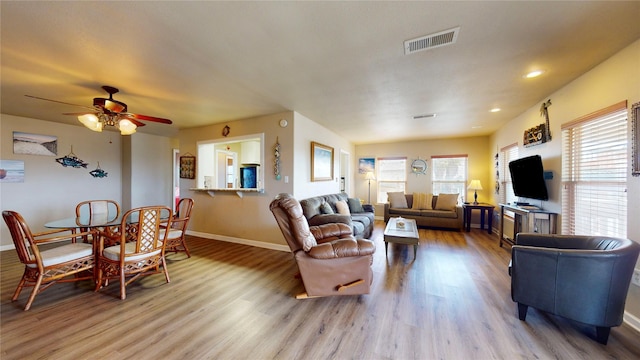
x,y
401,235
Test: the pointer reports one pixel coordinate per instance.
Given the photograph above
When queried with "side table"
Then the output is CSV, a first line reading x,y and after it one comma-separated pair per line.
x,y
484,208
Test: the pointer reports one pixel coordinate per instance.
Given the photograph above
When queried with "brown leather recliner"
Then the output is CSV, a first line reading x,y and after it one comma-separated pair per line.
x,y
331,261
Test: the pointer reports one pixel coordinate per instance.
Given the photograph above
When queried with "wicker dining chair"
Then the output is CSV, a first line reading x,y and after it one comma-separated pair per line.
x,y
100,210
140,248
176,238
45,267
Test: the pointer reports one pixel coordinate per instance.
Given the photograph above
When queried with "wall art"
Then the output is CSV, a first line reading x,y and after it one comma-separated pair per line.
x,y
321,162
34,144
366,165
11,171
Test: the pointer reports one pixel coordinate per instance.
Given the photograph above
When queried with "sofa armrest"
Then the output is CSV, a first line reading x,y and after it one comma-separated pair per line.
x,y
329,232
342,248
321,219
386,211
368,208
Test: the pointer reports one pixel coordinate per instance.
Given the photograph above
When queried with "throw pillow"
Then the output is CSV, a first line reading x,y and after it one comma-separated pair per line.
x,y
325,208
397,200
447,201
422,201
355,206
343,208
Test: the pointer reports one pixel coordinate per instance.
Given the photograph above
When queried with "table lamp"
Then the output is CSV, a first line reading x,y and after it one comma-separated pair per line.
x,y
369,176
475,186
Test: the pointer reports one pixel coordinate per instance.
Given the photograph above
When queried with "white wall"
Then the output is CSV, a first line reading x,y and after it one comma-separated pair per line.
x,y
51,191
306,131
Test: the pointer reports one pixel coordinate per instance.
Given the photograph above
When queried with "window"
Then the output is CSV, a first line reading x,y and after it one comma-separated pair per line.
x,y
392,176
449,175
507,154
594,173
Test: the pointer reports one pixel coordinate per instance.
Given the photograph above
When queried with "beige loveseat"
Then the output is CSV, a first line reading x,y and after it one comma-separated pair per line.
x,y
450,218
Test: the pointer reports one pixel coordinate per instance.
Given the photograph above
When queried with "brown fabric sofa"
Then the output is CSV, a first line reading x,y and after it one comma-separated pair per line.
x,y
360,220
331,261
449,219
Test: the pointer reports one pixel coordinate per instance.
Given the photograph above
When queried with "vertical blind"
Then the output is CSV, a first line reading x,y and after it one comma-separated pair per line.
x,y
449,175
595,162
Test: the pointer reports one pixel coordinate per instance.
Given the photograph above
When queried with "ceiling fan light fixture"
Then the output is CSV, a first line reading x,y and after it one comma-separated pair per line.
x,y
91,122
126,127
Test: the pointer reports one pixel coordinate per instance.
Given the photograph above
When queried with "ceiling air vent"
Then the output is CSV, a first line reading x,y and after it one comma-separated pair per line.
x,y
432,41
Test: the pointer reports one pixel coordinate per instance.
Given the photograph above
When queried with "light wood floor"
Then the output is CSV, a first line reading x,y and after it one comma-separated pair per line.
x,y
232,301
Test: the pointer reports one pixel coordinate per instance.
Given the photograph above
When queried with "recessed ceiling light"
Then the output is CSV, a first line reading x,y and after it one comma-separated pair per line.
x,y
476,127
425,116
534,73
495,110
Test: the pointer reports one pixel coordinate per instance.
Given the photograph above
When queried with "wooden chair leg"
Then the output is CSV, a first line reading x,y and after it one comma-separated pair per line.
x,y
123,293
19,288
36,288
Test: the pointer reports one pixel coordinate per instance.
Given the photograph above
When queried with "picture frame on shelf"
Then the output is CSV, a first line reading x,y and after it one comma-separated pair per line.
x,y
321,162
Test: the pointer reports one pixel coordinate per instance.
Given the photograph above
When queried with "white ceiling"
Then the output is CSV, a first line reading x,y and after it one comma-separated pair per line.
x,y
341,64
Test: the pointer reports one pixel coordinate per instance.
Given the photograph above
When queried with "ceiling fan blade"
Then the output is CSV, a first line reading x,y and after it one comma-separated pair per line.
x,y
149,118
60,102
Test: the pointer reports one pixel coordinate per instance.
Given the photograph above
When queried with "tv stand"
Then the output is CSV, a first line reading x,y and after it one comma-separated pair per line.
x,y
527,219
522,203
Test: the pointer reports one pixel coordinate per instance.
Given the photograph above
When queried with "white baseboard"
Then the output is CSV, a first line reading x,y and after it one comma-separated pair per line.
x,y
241,241
632,321
7,247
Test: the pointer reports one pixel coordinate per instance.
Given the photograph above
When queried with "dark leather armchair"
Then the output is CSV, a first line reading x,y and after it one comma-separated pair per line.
x,y
331,261
581,278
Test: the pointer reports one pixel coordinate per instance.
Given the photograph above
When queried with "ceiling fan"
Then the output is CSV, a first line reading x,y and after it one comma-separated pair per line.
x,y
109,112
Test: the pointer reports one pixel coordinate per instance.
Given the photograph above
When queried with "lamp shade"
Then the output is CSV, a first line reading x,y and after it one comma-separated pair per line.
x,y
91,122
369,176
126,127
474,185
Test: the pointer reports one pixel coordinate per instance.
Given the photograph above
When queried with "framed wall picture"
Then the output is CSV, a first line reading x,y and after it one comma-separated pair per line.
x,y
635,139
321,162
187,167
34,144
366,165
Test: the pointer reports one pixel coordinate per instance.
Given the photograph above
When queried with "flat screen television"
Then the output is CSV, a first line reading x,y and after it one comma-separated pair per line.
x,y
527,177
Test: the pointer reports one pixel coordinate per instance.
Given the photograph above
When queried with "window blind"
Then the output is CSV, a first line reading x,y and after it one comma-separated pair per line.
x,y
392,176
449,175
507,154
595,162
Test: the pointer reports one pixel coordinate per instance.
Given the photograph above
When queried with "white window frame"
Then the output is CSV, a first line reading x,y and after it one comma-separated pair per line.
x,y
595,166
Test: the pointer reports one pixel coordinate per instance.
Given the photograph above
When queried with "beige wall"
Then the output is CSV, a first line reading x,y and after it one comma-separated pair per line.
x,y
616,79
480,163
225,215
51,191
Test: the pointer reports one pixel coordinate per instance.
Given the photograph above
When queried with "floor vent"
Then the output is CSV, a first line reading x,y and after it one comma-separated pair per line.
x,y
432,41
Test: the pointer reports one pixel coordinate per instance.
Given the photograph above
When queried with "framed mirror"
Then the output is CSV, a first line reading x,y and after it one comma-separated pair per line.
x,y
635,139
419,166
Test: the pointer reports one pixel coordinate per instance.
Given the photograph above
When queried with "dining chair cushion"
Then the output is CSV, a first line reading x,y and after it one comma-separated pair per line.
x,y
174,234
64,253
113,252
